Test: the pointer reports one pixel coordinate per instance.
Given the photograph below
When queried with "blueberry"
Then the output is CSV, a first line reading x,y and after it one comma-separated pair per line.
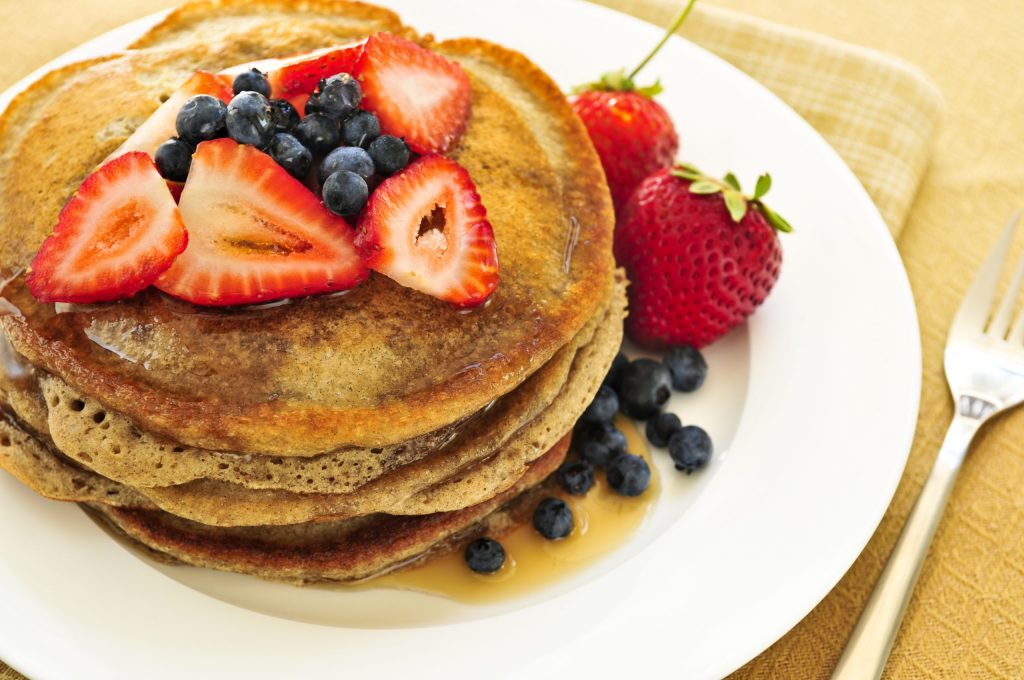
x,y
318,133
687,367
173,159
629,475
291,155
576,477
598,443
618,363
200,119
485,555
350,158
339,96
284,115
361,129
389,154
644,386
345,193
553,518
250,121
313,104
690,448
604,406
661,427
252,81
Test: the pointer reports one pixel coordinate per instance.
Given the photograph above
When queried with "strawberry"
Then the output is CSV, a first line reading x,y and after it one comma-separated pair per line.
x,y
700,256
257,233
115,236
417,94
298,75
160,127
427,229
632,134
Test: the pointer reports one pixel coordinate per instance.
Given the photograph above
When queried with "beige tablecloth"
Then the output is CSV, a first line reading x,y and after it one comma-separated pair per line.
x,y
881,114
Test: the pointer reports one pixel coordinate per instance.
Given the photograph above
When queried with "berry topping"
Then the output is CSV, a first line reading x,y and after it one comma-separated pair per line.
x,y
249,120
612,378
690,448
485,555
644,386
427,229
416,93
701,256
361,129
115,236
345,193
352,159
632,134
660,428
553,518
604,406
289,153
629,475
256,233
389,154
687,366
161,125
284,115
203,117
577,477
173,159
339,96
301,74
599,443
252,81
318,133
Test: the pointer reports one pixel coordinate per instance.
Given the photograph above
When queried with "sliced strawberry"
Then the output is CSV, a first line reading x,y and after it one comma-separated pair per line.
x,y
299,75
416,93
427,229
160,126
256,233
114,237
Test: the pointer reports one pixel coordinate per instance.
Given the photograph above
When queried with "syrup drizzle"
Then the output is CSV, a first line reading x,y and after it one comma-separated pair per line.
x,y
604,521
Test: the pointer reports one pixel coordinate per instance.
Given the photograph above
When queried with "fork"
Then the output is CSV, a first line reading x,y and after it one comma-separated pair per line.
x,y
984,363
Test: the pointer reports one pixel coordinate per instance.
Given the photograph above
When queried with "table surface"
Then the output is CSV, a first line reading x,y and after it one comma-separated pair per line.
x,y
967,616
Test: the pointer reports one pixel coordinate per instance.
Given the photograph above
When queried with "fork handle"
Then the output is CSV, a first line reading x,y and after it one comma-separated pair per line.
x,y
868,647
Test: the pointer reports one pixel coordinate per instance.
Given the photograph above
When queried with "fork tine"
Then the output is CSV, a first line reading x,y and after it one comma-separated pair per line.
x,y
997,327
974,309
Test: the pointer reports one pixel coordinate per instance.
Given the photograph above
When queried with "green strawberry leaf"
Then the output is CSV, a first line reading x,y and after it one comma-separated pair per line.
x,y
651,90
704,186
777,221
736,204
764,183
686,174
731,180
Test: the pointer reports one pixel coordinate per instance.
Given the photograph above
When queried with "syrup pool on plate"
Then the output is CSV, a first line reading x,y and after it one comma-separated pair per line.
x,y
604,520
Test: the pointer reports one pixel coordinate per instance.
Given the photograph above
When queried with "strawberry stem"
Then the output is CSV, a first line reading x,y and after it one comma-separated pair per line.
x,y
673,27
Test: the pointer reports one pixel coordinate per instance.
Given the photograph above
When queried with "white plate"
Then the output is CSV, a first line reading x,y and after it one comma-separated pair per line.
x,y
812,407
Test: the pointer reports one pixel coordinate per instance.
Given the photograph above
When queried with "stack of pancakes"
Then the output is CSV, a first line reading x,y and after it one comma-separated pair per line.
x,y
328,438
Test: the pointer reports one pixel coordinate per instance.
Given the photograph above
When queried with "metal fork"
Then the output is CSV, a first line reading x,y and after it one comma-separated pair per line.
x,y
984,363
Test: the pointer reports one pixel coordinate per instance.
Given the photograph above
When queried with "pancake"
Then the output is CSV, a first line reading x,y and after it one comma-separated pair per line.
x,y
347,550
378,366
449,479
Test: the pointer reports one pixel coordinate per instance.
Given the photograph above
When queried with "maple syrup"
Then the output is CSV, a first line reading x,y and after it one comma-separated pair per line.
x,y
604,520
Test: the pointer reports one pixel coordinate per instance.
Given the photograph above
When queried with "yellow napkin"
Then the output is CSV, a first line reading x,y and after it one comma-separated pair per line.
x,y
881,115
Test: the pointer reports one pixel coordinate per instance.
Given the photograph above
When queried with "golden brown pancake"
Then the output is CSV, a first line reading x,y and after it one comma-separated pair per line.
x,y
346,550
377,366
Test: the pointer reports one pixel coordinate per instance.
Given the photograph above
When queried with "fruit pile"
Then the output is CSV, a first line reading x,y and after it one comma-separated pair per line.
x,y
700,255
283,178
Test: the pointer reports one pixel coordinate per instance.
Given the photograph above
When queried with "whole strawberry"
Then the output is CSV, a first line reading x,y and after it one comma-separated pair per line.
x,y
700,256
632,134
